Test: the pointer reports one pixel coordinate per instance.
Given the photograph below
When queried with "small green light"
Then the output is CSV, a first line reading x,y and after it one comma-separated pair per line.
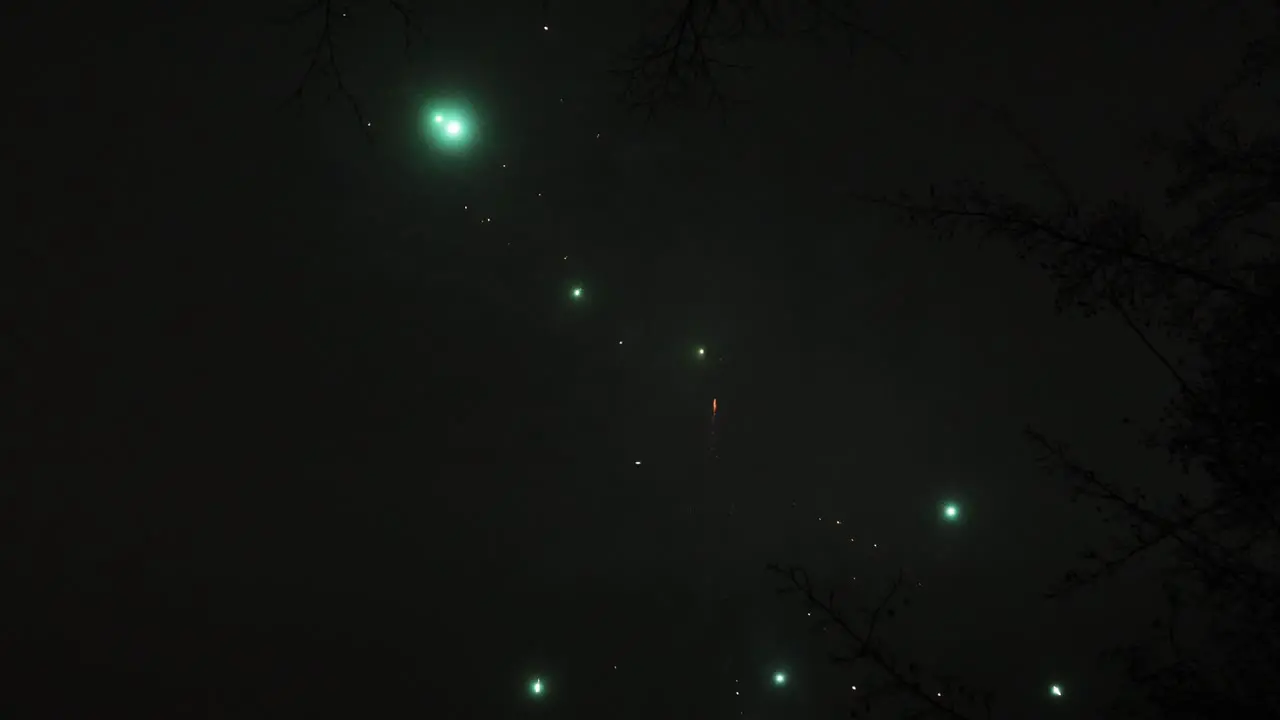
x,y
576,292
1055,690
779,678
536,687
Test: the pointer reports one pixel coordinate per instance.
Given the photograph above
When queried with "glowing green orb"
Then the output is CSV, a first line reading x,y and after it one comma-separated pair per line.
x,y
536,687
576,293
1055,690
951,511
779,678
449,126
702,352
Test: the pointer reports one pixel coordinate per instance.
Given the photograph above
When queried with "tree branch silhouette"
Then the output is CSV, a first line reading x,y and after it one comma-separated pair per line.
x,y
1213,284
864,646
683,61
324,62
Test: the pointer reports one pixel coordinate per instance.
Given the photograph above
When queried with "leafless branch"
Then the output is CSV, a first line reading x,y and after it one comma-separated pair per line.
x,y
684,60
324,62
865,646
993,216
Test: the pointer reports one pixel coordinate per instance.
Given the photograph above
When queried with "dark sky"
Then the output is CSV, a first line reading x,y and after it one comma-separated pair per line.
x,y
300,435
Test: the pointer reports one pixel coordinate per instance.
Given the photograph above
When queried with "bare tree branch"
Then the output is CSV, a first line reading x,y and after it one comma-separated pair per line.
x,y
1214,285
993,216
684,61
865,647
324,61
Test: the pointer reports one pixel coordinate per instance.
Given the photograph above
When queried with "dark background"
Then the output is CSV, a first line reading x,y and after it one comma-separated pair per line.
x,y
296,434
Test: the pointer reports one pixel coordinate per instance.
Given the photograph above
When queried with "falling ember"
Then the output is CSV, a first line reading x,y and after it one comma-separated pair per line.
x,y
713,406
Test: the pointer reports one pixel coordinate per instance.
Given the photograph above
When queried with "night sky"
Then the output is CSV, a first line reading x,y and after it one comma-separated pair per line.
x,y
311,422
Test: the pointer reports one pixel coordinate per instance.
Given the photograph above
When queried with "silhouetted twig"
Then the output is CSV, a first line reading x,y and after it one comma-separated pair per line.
x,y
684,60
864,646
324,61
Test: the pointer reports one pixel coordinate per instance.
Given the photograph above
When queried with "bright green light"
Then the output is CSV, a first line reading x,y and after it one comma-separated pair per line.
x,y
1055,690
950,511
779,678
702,352
449,125
576,292
536,687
